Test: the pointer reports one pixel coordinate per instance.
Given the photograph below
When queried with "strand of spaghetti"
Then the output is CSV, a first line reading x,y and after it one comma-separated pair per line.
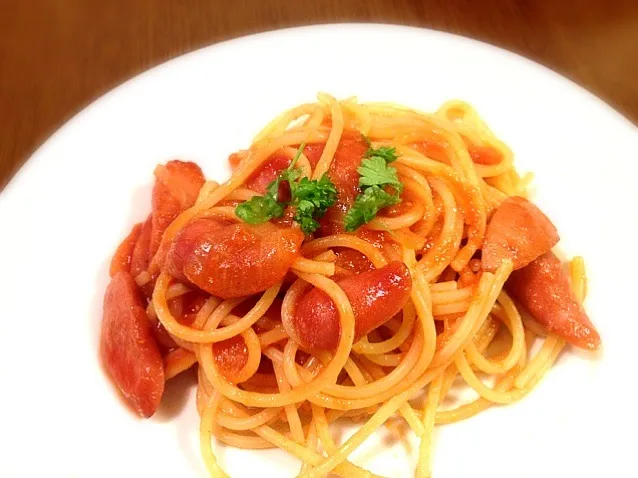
x,y
290,368
471,409
277,126
178,361
204,313
422,189
394,403
473,381
454,295
492,196
450,308
465,121
546,363
240,194
423,125
209,306
310,266
226,213
469,194
423,469
240,424
449,375
408,239
445,248
503,385
537,362
274,335
361,112
413,420
578,277
220,313
242,440
326,376
336,116
253,347
316,118
255,159
205,190
354,373
330,402
205,437
411,360
487,291
309,456
407,219
302,160
387,360
296,432
409,317
323,432
514,323
207,336
383,413
312,442
344,240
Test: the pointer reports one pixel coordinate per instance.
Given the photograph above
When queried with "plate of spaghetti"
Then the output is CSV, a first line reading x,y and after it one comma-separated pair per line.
x,y
422,273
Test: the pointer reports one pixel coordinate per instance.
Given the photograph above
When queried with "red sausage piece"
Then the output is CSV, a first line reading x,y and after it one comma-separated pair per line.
x,y
376,296
176,188
518,231
128,349
543,289
122,258
233,260
142,252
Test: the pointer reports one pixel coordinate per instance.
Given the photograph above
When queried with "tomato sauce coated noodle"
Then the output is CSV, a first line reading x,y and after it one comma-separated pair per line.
x,y
361,255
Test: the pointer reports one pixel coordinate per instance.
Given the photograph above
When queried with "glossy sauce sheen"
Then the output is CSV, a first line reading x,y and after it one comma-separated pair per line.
x,y
127,348
376,296
233,260
518,231
543,289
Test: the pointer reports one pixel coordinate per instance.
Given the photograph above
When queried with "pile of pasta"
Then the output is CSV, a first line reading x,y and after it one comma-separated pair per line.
x,y
453,281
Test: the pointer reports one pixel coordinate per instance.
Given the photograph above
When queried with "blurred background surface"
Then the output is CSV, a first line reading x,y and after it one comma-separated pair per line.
x,y
58,55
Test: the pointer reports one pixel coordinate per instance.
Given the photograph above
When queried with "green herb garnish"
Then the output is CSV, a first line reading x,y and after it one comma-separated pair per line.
x,y
374,175
366,207
311,199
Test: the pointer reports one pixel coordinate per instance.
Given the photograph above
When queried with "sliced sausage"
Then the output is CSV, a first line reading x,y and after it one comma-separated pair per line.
x,y
122,258
127,348
517,231
233,260
177,185
376,296
542,287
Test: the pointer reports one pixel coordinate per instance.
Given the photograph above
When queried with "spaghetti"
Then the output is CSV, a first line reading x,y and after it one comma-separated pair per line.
x,y
331,308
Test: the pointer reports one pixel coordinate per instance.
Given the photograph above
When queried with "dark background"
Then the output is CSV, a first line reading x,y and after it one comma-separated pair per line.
x,y
58,55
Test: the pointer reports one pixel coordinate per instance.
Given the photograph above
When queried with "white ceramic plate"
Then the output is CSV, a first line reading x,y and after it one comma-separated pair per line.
x,y
67,209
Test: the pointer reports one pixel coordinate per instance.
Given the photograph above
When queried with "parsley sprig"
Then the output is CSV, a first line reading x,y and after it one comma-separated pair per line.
x,y
375,178
311,199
